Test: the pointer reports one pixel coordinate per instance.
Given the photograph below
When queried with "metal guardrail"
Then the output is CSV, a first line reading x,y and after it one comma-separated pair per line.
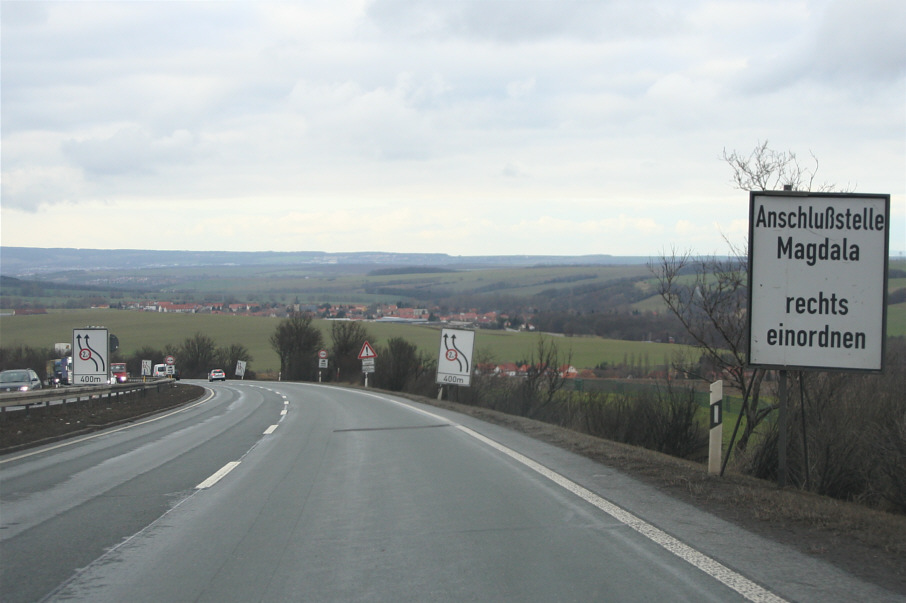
x,y
75,392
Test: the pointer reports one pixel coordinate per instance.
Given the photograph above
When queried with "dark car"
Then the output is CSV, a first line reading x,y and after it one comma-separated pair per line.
x,y
19,380
217,375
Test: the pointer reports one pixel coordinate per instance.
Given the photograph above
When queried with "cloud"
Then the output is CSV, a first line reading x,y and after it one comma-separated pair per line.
x,y
530,20
520,127
128,150
848,43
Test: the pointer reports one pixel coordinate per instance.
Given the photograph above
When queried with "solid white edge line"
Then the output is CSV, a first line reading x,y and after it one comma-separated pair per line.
x,y
734,580
715,569
270,430
221,473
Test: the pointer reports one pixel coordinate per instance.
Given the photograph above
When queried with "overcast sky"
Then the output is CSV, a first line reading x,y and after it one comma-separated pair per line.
x,y
459,127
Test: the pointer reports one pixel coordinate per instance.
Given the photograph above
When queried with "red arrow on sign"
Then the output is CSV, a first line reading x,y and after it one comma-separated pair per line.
x,y
367,352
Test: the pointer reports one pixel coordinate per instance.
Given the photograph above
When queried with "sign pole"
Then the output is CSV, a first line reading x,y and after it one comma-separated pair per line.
x,y
367,356
782,440
817,287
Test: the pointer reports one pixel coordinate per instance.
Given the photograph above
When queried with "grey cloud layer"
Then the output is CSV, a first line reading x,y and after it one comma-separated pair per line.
x,y
120,101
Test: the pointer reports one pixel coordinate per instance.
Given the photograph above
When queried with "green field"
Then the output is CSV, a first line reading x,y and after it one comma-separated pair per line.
x,y
318,284
136,330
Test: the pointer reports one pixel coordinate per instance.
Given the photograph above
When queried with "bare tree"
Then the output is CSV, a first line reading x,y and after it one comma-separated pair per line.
x,y
546,376
709,296
400,365
229,355
197,355
347,339
766,169
297,341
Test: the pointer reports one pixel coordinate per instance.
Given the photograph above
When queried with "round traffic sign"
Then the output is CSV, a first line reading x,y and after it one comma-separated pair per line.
x,y
322,354
170,360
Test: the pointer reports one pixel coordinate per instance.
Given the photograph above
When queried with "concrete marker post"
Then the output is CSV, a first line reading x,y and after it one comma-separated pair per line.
x,y
716,432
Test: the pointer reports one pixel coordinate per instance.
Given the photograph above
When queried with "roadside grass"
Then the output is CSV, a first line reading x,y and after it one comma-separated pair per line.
x,y
896,320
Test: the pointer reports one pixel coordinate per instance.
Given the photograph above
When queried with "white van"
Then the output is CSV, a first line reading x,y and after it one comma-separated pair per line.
x,y
160,370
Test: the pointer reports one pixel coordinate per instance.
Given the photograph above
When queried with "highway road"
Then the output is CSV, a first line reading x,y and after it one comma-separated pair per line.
x,y
300,492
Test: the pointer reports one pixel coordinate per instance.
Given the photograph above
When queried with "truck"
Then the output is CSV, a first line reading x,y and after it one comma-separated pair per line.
x,y
59,371
118,372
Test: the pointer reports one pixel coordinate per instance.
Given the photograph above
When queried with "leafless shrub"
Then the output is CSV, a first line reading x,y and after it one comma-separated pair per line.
x,y
663,420
846,435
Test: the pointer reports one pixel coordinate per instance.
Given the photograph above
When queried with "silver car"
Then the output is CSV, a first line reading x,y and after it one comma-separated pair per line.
x,y
19,380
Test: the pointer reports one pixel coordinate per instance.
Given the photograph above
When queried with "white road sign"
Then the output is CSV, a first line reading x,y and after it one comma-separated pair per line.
x,y
818,280
454,363
89,356
146,368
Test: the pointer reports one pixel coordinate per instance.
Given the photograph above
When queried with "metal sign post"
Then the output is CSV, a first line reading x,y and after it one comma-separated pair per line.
x,y
367,356
322,362
817,286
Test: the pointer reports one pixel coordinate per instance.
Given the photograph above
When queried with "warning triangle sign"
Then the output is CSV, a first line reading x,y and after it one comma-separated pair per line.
x,y
367,352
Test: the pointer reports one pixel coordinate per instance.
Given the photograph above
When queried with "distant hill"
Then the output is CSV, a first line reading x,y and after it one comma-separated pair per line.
x,y
34,261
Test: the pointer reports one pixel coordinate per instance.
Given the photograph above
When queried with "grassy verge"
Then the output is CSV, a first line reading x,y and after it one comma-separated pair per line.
x,y
38,425
136,330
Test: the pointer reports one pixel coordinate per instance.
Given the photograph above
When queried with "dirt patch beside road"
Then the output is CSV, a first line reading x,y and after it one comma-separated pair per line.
x,y
41,424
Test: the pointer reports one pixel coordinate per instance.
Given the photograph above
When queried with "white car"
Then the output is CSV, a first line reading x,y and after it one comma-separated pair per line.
x,y
217,375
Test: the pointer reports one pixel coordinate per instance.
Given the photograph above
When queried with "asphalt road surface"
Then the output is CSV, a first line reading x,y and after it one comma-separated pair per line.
x,y
300,492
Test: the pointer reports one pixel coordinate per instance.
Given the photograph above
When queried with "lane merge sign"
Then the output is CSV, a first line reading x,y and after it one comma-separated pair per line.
x,y
90,364
454,362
